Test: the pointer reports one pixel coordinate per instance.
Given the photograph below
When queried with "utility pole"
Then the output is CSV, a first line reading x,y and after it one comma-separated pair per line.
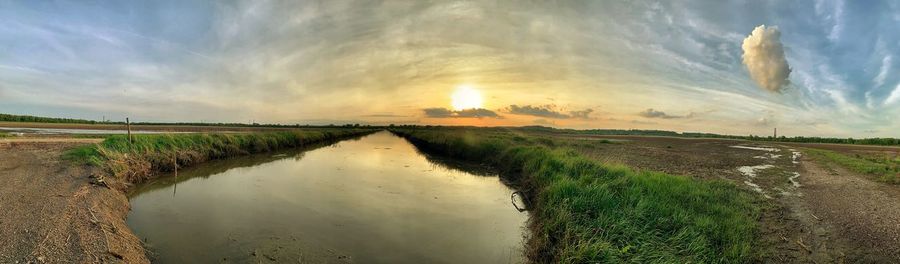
x,y
128,127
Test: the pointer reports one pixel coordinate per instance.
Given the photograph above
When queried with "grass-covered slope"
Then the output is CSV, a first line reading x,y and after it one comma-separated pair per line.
x,y
589,212
135,162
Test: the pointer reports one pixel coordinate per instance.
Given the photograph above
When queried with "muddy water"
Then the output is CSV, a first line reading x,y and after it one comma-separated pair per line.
x,y
372,200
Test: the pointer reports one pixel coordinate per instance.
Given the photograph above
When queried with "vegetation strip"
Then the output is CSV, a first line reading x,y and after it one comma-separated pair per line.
x,y
136,162
585,211
883,168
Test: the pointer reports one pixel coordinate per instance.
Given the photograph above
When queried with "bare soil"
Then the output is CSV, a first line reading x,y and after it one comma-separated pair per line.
x,y
51,213
866,213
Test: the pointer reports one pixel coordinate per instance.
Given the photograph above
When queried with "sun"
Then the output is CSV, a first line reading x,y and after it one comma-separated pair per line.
x,y
465,97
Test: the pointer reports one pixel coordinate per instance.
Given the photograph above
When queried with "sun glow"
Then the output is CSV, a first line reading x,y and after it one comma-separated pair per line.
x,y
465,97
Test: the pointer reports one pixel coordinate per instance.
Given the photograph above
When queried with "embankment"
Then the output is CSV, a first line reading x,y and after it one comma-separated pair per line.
x,y
584,211
118,164
126,163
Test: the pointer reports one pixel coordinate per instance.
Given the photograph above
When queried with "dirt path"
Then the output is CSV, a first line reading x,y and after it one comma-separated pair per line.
x,y
865,214
8,141
50,213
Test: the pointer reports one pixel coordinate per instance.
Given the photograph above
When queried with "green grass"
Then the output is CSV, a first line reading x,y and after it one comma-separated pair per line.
x,y
4,134
882,168
135,162
585,211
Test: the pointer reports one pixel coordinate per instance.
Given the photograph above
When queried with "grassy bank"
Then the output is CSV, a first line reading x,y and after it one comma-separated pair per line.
x,y
882,168
588,212
149,154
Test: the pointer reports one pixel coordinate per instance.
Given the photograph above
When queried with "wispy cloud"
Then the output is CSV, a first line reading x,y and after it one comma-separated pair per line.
x,y
547,111
383,115
894,96
289,61
651,113
440,112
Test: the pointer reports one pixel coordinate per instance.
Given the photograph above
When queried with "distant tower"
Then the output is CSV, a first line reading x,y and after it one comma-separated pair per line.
x,y
776,133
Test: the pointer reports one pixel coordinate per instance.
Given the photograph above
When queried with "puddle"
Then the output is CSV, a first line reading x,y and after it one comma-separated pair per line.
x,y
768,156
795,156
750,172
756,188
757,148
794,181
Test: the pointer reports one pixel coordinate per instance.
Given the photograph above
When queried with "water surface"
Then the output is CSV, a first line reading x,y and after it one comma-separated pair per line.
x,y
372,200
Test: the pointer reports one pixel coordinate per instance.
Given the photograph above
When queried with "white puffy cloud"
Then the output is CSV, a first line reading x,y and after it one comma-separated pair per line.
x,y
764,58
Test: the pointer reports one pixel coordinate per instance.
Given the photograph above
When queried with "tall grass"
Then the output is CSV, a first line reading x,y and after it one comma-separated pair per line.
x,y
882,168
584,211
137,161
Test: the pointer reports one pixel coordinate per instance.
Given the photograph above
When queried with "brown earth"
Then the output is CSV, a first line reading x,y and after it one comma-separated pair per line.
x,y
51,213
867,213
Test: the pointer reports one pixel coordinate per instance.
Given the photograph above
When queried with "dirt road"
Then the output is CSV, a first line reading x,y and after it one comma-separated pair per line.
x,y
865,214
51,213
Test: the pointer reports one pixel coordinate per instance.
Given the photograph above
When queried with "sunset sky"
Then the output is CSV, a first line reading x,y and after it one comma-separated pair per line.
x,y
817,68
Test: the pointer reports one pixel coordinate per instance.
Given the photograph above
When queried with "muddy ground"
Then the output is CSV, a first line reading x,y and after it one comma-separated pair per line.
x,y
811,212
51,213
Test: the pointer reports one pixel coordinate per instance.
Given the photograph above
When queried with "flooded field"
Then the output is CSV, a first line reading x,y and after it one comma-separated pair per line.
x,y
372,200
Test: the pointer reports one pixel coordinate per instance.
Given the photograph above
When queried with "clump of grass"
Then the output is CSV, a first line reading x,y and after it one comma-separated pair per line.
x,y
882,168
585,211
136,161
4,134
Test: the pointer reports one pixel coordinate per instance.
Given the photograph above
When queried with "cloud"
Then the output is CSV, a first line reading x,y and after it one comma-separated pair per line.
x,y
642,122
883,71
764,121
440,112
583,114
650,113
541,121
541,111
547,111
764,58
894,96
383,115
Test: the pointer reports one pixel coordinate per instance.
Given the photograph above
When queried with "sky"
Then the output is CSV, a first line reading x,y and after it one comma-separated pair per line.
x,y
812,68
